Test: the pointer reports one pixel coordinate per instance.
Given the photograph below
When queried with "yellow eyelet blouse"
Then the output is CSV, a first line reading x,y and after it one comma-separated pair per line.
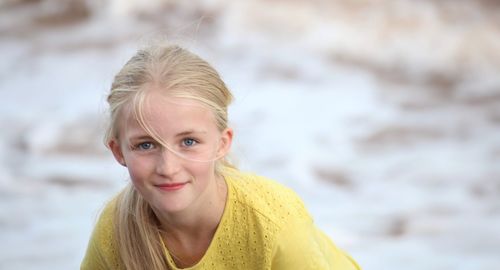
x,y
264,226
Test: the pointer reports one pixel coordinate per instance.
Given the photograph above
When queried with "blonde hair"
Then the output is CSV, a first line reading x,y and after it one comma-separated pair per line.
x,y
179,73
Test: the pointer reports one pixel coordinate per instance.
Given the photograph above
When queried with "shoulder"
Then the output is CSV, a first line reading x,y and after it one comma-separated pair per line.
x,y
275,217
101,250
267,198
302,245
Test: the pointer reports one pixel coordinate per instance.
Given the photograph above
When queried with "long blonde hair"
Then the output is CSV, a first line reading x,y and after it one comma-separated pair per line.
x,y
182,74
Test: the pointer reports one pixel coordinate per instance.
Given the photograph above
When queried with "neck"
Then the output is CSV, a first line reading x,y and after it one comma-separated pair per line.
x,y
201,218
188,234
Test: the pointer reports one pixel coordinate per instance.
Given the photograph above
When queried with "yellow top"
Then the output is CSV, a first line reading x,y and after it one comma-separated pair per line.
x,y
264,226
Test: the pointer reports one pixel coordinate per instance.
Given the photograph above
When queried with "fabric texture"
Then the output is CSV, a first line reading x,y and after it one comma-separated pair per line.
x,y
264,226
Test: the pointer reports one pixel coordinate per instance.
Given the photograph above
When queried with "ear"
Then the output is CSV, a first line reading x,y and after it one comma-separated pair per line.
x,y
226,141
116,149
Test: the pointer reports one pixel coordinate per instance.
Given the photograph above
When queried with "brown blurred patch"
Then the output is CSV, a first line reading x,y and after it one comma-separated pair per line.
x,y
67,13
399,75
492,5
334,176
398,226
495,153
401,135
478,191
464,32
78,183
29,19
87,44
494,117
274,162
17,3
443,210
487,186
278,71
82,137
491,98
181,18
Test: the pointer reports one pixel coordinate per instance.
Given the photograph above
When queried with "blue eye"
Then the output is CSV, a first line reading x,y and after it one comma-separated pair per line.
x,y
145,146
188,142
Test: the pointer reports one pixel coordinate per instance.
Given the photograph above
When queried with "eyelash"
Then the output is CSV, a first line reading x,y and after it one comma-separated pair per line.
x,y
139,146
194,142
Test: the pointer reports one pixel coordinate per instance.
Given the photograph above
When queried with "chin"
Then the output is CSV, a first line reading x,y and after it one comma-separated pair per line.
x,y
171,206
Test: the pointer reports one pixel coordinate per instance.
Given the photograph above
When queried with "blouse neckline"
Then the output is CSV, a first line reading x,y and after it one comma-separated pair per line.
x,y
218,232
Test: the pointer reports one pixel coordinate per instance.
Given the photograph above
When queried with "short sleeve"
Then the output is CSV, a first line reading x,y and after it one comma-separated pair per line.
x,y
101,253
303,246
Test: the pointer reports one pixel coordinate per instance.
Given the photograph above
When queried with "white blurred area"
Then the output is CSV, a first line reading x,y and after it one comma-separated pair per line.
x,y
383,115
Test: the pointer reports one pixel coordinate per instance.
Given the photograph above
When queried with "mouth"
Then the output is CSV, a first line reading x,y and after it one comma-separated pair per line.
x,y
171,186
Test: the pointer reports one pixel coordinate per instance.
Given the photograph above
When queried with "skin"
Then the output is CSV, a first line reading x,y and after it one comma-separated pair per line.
x,y
187,196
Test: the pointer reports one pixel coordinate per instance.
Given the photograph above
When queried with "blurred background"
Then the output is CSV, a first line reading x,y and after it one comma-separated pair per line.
x,y
383,115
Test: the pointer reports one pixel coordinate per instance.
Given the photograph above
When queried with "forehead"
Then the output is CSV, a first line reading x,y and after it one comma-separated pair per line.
x,y
167,115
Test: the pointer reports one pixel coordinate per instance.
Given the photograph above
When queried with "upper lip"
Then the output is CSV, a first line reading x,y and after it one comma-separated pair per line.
x,y
170,184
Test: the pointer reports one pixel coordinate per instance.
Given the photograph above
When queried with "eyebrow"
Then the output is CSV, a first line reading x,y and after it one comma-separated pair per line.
x,y
181,134
189,132
140,138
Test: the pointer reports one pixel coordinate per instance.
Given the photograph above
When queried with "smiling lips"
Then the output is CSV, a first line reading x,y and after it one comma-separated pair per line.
x,y
171,186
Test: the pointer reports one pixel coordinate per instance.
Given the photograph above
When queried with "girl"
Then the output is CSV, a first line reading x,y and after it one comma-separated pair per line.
x,y
186,206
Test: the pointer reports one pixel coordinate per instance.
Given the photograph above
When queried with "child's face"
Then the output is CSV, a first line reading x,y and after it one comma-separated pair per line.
x,y
181,175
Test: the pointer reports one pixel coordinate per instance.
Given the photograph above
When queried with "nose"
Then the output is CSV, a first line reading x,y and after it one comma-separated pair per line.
x,y
168,163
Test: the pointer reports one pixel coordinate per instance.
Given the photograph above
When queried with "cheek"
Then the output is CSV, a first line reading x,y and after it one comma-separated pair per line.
x,y
139,169
201,171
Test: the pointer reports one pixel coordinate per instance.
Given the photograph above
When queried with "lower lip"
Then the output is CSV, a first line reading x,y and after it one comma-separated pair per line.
x,y
171,187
